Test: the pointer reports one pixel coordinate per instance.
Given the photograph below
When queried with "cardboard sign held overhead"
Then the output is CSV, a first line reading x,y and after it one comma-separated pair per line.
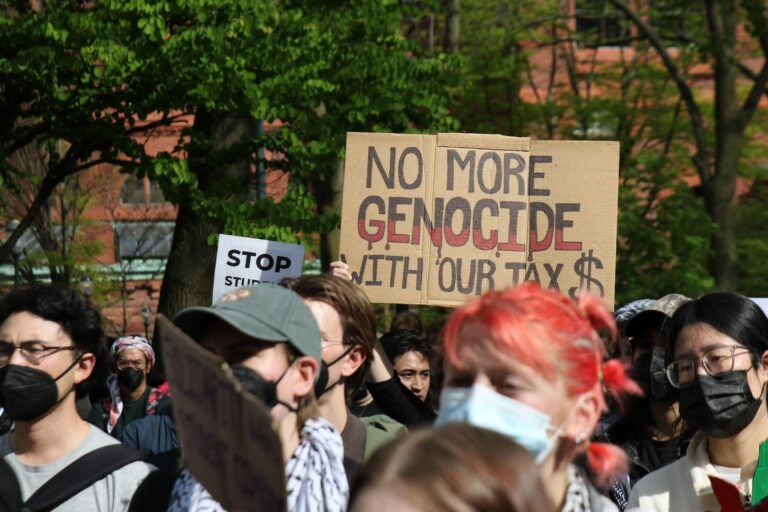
x,y
227,438
439,219
243,261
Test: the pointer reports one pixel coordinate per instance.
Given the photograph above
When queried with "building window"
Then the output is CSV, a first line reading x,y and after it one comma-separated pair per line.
x,y
143,240
601,24
675,19
155,192
132,191
141,191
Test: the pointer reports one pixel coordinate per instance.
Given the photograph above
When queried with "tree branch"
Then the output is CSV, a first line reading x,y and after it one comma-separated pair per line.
x,y
761,79
28,137
701,158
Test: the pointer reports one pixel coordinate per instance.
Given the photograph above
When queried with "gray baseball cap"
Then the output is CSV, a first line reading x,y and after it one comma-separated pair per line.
x,y
661,308
266,312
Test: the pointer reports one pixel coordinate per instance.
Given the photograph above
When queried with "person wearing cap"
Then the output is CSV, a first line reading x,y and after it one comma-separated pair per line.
x,y
650,428
130,397
271,340
622,316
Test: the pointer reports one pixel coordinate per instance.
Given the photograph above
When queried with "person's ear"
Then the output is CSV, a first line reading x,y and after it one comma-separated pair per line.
x,y
84,367
353,360
306,367
763,366
584,417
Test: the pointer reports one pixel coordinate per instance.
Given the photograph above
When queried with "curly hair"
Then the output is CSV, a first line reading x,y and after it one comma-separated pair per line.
x,y
76,315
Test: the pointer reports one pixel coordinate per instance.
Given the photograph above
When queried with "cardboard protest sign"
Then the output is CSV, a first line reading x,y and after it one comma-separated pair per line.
x,y
242,261
438,219
227,438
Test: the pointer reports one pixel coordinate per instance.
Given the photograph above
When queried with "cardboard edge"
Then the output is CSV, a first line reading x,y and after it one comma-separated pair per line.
x,y
484,141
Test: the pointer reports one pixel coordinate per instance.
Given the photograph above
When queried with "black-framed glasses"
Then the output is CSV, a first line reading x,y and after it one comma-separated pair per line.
x,y
32,351
682,371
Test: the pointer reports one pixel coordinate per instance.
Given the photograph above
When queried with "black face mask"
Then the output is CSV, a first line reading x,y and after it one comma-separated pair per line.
x,y
258,386
130,378
719,405
28,393
321,384
648,371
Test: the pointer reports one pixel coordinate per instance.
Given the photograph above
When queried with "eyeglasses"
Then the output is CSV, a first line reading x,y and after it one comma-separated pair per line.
x,y
32,351
715,361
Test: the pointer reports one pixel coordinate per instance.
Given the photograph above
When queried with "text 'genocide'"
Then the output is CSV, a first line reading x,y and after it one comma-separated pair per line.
x,y
486,200
490,223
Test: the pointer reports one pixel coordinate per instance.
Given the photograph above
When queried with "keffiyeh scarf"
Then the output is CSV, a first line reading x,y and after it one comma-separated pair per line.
x,y
315,476
577,495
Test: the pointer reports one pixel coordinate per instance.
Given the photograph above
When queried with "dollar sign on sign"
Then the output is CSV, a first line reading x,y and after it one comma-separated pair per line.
x,y
583,268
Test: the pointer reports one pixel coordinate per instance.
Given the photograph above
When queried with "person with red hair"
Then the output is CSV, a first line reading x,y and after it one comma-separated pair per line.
x,y
529,363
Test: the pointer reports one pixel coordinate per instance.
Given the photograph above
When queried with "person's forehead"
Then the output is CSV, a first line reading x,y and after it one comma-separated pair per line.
x,y
131,354
328,319
476,348
25,326
701,336
412,359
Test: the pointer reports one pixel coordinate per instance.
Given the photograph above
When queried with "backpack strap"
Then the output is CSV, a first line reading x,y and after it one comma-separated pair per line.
x,y
80,474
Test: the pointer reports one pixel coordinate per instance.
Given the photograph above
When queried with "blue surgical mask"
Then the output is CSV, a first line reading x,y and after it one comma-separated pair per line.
x,y
483,407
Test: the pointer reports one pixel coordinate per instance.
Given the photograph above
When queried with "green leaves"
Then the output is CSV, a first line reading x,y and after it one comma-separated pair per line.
x,y
109,76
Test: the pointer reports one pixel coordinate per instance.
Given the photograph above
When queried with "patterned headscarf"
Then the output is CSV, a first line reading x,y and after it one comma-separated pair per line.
x,y
139,342
120,344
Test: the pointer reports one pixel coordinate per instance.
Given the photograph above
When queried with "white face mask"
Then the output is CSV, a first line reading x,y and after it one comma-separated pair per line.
x,y
483,407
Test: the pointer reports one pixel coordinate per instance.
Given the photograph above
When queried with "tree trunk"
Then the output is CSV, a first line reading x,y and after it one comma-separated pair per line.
x,y
719,192
452,26
328,198
188,279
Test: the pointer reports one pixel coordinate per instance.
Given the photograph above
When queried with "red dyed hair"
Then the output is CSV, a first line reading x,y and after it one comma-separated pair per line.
x,y
554,335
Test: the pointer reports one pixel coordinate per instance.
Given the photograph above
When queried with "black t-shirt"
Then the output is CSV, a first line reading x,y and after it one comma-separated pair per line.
x,y
657,454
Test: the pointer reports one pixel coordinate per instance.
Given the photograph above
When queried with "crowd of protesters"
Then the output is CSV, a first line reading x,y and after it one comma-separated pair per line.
x,y
529,401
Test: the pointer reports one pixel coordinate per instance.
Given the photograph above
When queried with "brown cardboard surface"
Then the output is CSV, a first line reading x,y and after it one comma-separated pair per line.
x,y
227,438
440,219
583,175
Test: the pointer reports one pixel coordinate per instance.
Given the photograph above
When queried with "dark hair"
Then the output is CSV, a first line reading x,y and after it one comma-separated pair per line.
x,y
456,467
354,309
406,321
397,343
77,316
734,315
